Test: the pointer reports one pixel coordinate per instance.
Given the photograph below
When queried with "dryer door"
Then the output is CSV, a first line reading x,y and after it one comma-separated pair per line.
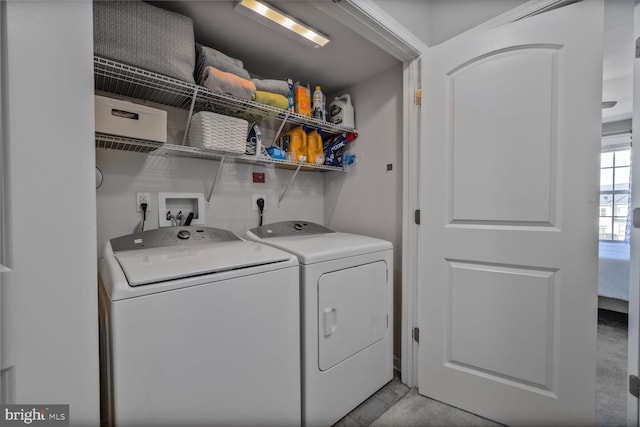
x,y
352,311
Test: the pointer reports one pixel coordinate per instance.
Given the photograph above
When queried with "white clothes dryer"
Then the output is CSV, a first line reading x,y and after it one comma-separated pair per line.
x,y
198,327
346,308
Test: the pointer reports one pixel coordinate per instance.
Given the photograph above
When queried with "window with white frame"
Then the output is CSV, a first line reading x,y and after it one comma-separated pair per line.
x,y
615,190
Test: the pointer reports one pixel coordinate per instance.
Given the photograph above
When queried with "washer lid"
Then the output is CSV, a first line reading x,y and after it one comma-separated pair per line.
x,y
179,259
313,248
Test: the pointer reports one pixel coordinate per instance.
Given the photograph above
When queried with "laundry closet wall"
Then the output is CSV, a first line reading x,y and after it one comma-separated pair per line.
x,y
231,204
368,200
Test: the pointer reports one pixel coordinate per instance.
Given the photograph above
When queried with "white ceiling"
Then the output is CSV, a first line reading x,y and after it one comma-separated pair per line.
x,y
619,54
347,60
269,54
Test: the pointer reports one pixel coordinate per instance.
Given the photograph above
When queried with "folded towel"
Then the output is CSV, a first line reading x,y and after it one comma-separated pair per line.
x,y
220,81
208,57
209,52
273,86
273,99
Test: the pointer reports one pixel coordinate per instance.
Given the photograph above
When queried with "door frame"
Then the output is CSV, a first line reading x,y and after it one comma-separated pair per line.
x,y
372,22
3,195
634,273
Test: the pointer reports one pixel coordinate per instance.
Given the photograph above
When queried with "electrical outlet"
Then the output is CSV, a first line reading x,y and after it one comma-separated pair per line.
x,y
258,177
254,199
142,198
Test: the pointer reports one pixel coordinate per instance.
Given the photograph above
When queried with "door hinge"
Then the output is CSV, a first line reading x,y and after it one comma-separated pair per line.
x,y
416,216
635,221
638,47
634,385
419,97
416,334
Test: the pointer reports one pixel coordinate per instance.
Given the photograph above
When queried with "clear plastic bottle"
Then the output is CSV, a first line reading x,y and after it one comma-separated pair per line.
x,y
319,110
290,97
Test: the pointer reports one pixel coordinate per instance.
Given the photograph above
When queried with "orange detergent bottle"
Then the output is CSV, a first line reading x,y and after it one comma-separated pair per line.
x,y
315,154
294,143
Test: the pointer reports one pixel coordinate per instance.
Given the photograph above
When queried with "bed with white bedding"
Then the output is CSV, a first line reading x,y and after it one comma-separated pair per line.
x,y
613,280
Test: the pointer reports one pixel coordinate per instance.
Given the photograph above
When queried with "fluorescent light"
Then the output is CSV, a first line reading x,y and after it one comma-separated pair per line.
x,y
268,15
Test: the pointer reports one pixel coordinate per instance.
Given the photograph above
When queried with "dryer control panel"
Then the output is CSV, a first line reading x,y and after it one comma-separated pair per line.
x,y
171,236
290,228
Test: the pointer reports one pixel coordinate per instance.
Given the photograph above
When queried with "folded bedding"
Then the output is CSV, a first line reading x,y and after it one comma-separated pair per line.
x,y
145,36
274,86
221,81
272,99
208,57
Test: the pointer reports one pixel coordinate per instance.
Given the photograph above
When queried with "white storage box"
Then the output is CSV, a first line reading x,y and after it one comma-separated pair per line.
x,y
217,132
123,118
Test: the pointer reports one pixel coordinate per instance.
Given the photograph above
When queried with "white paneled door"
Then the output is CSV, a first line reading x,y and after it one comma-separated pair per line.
x,y
509,195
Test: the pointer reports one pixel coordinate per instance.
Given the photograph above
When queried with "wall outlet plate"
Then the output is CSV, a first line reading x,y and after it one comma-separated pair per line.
x,y
142,198
176,202
254,199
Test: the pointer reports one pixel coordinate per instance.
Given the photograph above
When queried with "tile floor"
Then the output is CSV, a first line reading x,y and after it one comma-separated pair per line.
x,y
372,408
396,405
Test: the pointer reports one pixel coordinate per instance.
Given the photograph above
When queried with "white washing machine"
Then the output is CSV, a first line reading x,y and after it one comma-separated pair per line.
x,y
346,308
198,327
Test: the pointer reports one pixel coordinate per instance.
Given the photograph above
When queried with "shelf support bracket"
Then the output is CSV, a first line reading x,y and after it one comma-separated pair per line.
x,y
215,180
284,121
193,104
286,187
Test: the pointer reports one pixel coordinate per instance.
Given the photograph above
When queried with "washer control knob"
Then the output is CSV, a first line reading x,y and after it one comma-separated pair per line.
x,y
297,226
184,234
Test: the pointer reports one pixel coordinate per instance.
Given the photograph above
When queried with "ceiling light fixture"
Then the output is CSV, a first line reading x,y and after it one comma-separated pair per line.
x,y
273,18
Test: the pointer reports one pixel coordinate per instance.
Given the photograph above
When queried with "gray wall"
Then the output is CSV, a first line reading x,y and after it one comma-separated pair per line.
x,y
231,205
49,299
368,200
414,15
